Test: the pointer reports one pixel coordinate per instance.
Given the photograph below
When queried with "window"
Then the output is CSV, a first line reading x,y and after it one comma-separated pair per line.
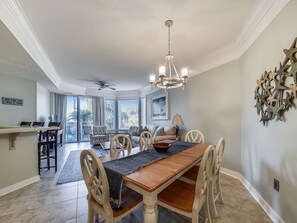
x,y
143,111
110,113
79,120
128,113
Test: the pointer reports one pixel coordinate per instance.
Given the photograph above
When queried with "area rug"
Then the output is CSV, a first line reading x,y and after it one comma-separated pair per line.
x,y
71,171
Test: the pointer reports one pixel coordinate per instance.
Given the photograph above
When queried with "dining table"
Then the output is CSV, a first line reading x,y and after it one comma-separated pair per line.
x,y
150,180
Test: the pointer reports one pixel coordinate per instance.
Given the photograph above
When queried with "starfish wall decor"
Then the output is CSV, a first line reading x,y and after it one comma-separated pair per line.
x,y
276,90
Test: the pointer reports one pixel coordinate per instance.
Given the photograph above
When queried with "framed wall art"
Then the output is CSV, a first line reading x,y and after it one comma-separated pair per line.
x,y
160,107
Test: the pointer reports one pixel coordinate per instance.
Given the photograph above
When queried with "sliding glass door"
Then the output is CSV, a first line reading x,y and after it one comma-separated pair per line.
x,y
79,119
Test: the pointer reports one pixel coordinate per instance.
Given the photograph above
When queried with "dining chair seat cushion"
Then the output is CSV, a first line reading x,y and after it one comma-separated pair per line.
x,y
192,173
130,199
179,195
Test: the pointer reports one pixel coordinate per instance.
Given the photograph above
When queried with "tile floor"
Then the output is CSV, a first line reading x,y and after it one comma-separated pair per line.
x,y
47,202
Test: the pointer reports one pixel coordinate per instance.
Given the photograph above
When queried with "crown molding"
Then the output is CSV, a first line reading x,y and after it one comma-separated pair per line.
x,y
258,19
12,15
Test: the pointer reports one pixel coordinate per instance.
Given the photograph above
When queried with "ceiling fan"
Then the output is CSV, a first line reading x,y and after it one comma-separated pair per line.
x,y
104,84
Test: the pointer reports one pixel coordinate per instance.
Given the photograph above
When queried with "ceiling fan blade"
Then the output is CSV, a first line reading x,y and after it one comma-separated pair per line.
x,y
112,88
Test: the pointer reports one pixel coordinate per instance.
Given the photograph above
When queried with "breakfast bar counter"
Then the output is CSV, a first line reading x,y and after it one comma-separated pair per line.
x,y
18,157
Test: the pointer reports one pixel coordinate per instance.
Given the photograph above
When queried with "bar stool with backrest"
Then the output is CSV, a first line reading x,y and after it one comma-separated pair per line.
x,y
120,142
188,199
25,124
48,142
98,188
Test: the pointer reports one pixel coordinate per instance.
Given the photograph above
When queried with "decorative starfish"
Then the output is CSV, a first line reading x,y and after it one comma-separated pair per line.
x,y
264,118
291,52
266,76
293,88
259,107
267,88
273,74
282,71
271,99
260,82
279,86
289,101
293,71
275,111
262,97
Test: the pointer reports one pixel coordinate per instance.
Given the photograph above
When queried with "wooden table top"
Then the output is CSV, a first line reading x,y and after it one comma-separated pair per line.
x,y
154,175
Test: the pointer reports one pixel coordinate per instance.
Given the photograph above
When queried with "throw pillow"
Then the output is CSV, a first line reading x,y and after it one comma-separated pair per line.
x,y
169,130
139,130
160,132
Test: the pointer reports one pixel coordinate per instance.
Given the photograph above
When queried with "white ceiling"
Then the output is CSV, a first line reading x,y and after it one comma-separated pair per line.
x,y
123,41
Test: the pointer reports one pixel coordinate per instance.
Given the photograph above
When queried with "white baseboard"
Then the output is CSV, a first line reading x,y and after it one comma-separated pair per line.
x,y
19,185
266,207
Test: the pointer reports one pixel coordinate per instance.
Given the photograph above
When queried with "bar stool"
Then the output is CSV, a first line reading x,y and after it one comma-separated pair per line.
x,y
25,124
48,141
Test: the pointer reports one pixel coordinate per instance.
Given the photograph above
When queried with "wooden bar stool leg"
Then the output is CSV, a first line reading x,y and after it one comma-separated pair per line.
x,y
56,157
48,156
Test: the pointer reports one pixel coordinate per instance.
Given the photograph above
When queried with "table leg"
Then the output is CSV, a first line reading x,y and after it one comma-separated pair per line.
x,y
150,211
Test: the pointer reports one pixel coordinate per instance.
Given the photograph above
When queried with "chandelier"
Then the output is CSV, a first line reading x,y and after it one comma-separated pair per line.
x,y
167,81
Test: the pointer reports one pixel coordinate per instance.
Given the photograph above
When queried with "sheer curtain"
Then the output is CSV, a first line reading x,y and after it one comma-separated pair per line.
x,y
98,111
60,111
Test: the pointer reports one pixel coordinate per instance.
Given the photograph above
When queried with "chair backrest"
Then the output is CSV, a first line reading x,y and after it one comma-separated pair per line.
x,y
54,124
218,156
204,175
99,130
38,124
96,180
25,124
120,142
194,136
146,138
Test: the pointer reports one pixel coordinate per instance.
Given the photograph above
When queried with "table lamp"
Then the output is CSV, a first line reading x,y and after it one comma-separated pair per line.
x,y
177,120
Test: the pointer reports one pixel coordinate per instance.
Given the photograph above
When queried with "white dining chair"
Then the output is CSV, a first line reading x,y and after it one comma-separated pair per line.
x,y
146,138
215,177
98,191
194,136
120,142
188,199
191,175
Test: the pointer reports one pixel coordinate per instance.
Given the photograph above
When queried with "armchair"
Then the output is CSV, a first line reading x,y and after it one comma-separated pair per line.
x,y
99,135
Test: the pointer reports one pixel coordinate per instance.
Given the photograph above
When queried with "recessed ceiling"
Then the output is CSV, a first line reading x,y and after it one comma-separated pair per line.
x,y
124,41
16,62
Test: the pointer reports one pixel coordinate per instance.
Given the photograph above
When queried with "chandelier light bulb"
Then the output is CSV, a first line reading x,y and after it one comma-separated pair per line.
x,y
152,78
162,71
184,72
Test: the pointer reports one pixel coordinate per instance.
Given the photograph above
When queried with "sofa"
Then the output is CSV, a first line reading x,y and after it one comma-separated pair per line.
x,y
160,133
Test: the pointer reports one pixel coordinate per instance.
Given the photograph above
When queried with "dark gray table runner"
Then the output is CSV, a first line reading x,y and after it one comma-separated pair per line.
x,y
116,169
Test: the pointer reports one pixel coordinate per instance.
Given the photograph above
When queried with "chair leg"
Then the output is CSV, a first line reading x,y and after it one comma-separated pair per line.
x,y
212,204
219,190
91,214
208,215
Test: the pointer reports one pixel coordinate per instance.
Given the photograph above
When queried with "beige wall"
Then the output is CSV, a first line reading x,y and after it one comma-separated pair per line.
x,y
17,88
270,152
210,103
42,104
